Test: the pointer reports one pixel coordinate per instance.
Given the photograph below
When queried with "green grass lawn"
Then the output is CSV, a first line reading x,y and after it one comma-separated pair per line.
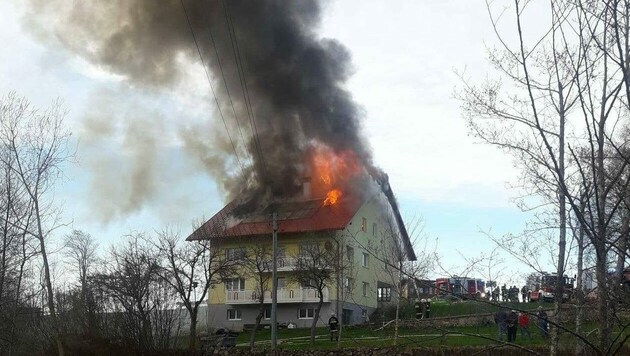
x,y
365,336
444,308
424,335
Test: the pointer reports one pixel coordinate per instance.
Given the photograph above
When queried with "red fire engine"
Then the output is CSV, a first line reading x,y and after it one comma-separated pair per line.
x,y
460,287
543,287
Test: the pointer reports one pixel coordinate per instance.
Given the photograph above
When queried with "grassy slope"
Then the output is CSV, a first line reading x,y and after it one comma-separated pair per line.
x,y
427,335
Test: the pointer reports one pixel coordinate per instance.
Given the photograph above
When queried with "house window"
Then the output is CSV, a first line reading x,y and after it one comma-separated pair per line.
x,y
366,289
350,253
267,313
374,229
233,314
306,313
384,294
282,282
309,249
235,254
308,283
234,284
348,284
365,259
364,225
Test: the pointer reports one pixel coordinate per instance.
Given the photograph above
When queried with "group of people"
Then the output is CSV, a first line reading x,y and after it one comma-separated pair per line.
x,y
509,321
510,294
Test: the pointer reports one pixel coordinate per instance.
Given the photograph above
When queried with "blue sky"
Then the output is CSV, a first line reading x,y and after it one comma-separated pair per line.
x,y
405,58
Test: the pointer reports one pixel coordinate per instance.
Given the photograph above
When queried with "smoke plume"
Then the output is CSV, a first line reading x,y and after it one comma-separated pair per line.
x,y
280,87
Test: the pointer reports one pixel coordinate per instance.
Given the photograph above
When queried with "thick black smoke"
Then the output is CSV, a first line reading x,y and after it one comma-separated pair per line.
x,y
295,80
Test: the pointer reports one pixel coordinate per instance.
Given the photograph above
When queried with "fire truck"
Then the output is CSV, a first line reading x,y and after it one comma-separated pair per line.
x,y
460,287
543,286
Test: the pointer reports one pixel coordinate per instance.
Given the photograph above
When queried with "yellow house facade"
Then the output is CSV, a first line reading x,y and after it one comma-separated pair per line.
x,y
362,239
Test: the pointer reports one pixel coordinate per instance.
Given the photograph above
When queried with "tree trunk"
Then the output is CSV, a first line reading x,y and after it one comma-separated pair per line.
x,y
50,298
397,303
562,217
602,299
261,311
192,332
579,287
316,316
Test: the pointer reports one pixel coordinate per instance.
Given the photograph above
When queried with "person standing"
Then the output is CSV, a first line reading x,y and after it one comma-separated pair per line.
x,y
499,319
511,321
419,309
523,324
427,308
543,325
524,294
333,327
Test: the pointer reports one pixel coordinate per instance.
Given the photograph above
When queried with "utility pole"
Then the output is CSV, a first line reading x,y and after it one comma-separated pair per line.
x,y
274,288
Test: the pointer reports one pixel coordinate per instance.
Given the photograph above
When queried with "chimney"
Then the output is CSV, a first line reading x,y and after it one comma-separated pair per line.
x,y
306,187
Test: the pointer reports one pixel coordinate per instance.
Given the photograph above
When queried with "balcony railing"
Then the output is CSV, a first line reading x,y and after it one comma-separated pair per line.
x,y
291,264
285,295
284,264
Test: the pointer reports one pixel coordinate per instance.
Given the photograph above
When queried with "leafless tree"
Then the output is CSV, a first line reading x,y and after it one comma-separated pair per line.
x,y
315,268
399,271
130,281
81,253
36,143
257,263
184,266
560,116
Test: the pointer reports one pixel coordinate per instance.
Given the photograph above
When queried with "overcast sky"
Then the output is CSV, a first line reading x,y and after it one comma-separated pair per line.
x,y
405,54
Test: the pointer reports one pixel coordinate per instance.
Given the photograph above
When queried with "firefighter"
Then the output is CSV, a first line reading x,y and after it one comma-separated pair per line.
x,y
495,294
524,293
333,327
418,307
427,308
504,293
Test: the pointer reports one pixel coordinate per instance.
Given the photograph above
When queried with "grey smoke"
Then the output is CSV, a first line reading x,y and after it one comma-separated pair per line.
x,y
295,79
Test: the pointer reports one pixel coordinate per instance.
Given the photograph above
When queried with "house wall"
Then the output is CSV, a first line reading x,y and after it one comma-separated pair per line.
x,y
364,234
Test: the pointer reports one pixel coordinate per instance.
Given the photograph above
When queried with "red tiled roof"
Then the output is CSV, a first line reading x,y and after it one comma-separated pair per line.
x,y
293,217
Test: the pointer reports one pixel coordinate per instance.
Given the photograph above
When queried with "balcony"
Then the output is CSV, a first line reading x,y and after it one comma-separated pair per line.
x,y
286,264
285,295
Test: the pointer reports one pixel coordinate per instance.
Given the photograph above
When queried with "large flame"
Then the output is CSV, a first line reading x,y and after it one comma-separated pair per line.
x,y
331,171
332,197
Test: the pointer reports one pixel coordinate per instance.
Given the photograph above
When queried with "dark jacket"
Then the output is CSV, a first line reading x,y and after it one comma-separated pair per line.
x,y
500,316
333,323
511,319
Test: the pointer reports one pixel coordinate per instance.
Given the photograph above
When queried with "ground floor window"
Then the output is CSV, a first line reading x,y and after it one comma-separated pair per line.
x,y
384,294
306,313
267,313
233,314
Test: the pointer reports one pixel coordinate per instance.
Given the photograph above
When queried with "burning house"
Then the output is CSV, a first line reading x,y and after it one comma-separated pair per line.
x,y
284,136
343,211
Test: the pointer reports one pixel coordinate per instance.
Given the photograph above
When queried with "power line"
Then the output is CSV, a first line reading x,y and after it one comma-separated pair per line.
x,y
227,90
205,69
243,82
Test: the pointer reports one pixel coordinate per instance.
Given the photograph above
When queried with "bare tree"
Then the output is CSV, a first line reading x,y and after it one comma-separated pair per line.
x,y
184,266
399,271
315,268
130,281
37,146
80,250
257,263
560,116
